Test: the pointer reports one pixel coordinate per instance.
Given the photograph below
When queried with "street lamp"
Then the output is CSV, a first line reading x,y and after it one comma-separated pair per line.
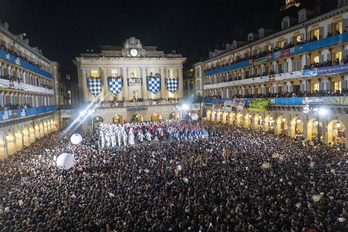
x,y
320,112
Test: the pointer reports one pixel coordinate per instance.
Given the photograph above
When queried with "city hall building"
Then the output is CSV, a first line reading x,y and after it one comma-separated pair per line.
x,y
292,82
130,83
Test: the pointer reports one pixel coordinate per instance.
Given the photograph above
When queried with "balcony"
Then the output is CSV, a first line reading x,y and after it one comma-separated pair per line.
x,y
306,47
7,84
329,70
17,61
17,113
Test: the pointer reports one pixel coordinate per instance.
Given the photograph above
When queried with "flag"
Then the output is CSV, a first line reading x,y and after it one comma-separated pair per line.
x,y
115,85
172,84
94,86
154,84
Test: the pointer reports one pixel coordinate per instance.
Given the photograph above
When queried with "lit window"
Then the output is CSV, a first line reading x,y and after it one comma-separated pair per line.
x,y
94,73
281,44
114,72
133,74
316,59
337,55
316,87
315,33
337,86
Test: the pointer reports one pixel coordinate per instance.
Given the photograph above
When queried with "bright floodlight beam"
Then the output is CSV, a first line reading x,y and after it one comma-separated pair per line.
x,y
89,112
80,116
322,111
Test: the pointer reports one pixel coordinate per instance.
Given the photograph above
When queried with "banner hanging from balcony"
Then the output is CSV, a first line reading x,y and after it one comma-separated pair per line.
x,y
94,86
154,84
258,104
115,85
172,84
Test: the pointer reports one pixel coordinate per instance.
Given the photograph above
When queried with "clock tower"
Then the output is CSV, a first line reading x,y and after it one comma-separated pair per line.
x,y
132,47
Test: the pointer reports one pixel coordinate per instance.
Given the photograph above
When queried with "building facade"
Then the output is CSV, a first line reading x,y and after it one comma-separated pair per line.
x,y
297,71
130,82
28,99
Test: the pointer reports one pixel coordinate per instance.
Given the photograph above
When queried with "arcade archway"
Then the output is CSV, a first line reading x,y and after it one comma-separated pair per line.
x,y
174,116
282,125
231,118
314,128
155,117
137,118
3,150
225,117
239,119
117,119
336,133
208,117
19,140
296,130
269,124
247,120
258,122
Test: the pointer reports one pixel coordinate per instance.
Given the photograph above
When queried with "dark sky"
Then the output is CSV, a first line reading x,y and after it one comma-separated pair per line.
x,y
63,29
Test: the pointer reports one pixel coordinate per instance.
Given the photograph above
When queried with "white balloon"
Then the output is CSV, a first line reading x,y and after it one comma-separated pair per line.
x,y
76,139
65,161
194,116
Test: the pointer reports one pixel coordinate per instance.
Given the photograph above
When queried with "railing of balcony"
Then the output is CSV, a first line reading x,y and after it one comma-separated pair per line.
x,y
9,83
25,64
300,48
327,100
17,113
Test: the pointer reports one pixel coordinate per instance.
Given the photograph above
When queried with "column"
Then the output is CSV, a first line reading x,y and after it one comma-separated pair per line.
x,y
345,83
145,94
181,84
125,83
84,86
105,84
289,87
252,91
263,89
274,88
163,83
325,83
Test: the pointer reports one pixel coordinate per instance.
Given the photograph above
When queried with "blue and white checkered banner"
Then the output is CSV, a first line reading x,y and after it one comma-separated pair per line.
x,y
154,84
172,84
115,85
94,86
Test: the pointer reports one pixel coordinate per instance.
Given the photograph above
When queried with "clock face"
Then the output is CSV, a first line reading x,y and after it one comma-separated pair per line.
x,y
134,52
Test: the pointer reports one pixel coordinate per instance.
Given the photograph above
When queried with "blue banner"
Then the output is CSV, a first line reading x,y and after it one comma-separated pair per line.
x,y
6,56
286,101
9,114
309,72
332,69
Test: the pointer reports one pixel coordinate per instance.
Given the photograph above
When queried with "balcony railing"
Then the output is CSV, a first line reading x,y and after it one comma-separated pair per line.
x,y
330,100
335,69
7,84
17,113
16,60
336,39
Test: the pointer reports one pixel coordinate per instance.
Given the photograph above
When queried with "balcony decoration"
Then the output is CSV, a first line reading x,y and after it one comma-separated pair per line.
x,y
172,84
115,84
153,84
94,85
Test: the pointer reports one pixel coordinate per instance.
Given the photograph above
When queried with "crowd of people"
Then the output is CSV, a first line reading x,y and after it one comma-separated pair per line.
x,y
10,106
24,58
236,180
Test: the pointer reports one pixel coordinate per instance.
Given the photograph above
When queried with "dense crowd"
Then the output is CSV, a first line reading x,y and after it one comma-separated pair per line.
x,y
237,180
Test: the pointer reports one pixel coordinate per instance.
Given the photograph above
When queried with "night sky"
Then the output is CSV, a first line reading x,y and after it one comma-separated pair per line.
x,y
63,29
